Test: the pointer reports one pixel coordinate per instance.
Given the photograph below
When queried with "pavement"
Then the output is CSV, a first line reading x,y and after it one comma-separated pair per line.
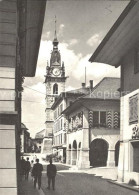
x,y
109,174
26,188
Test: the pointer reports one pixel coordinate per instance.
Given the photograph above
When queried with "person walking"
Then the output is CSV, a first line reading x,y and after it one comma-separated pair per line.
x,y
22,166
31,164
51,173
37,173
27,168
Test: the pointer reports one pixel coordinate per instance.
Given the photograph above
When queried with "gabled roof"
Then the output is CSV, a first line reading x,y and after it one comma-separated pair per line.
x,y
122,37
76,92
107,88
40,134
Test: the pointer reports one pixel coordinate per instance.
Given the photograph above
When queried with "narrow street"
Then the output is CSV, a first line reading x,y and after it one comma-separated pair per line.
x,y
68,183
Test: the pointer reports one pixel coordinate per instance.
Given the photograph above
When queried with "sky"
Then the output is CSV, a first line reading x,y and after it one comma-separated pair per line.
x,y
81,26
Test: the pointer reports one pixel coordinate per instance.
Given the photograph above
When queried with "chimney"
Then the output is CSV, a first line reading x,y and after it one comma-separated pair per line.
x,y
91,85
83,85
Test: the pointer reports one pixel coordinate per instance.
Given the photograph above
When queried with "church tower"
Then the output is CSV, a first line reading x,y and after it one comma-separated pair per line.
x,y
55,84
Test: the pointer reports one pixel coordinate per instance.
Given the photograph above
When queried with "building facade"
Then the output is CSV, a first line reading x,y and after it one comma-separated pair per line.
x,y
19,45
125,52
64,100
55,84
38,141
25,139
93,127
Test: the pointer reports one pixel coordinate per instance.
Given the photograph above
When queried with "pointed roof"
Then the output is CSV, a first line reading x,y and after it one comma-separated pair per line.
x,y
55,41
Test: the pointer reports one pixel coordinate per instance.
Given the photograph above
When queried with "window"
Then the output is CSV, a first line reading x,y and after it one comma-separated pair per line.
x,y
61,139
61,108
99,119
136,61
55,114
64,138
103,119
61,124
55,88
95,118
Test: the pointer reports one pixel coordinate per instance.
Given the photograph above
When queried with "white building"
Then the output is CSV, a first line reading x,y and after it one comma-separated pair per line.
x,y
93,129
64,100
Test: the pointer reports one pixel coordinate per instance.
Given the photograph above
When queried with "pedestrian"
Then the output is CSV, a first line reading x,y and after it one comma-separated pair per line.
x,y
27,168
51,173
37,173
31,164
22,166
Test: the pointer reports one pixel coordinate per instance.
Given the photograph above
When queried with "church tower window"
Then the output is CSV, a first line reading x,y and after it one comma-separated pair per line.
x,y
55,88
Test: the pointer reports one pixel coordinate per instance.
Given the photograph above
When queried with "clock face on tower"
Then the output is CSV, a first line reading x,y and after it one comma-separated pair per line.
x,y
56,72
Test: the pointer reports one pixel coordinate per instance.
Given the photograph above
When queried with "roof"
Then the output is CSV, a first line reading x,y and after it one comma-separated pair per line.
x,y
83,90
30,30
23,126
76,92
107,88
40,134
122,37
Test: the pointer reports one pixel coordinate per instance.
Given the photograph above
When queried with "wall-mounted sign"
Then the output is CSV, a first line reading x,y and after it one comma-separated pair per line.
x,y
135,132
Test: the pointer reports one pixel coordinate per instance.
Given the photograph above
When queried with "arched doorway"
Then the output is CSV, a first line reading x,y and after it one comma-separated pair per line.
x,y
98,153
117,146
74,153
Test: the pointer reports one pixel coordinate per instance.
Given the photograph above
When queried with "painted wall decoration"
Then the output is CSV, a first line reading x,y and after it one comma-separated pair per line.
x,y
116,120
133,109
90,119
76,122
109,119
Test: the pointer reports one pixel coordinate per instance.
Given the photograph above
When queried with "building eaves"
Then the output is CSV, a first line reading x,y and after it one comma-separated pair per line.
x,y
31,18
116,35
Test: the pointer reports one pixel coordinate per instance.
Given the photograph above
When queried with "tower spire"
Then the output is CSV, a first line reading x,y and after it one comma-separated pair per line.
x,y
55,28
55,41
